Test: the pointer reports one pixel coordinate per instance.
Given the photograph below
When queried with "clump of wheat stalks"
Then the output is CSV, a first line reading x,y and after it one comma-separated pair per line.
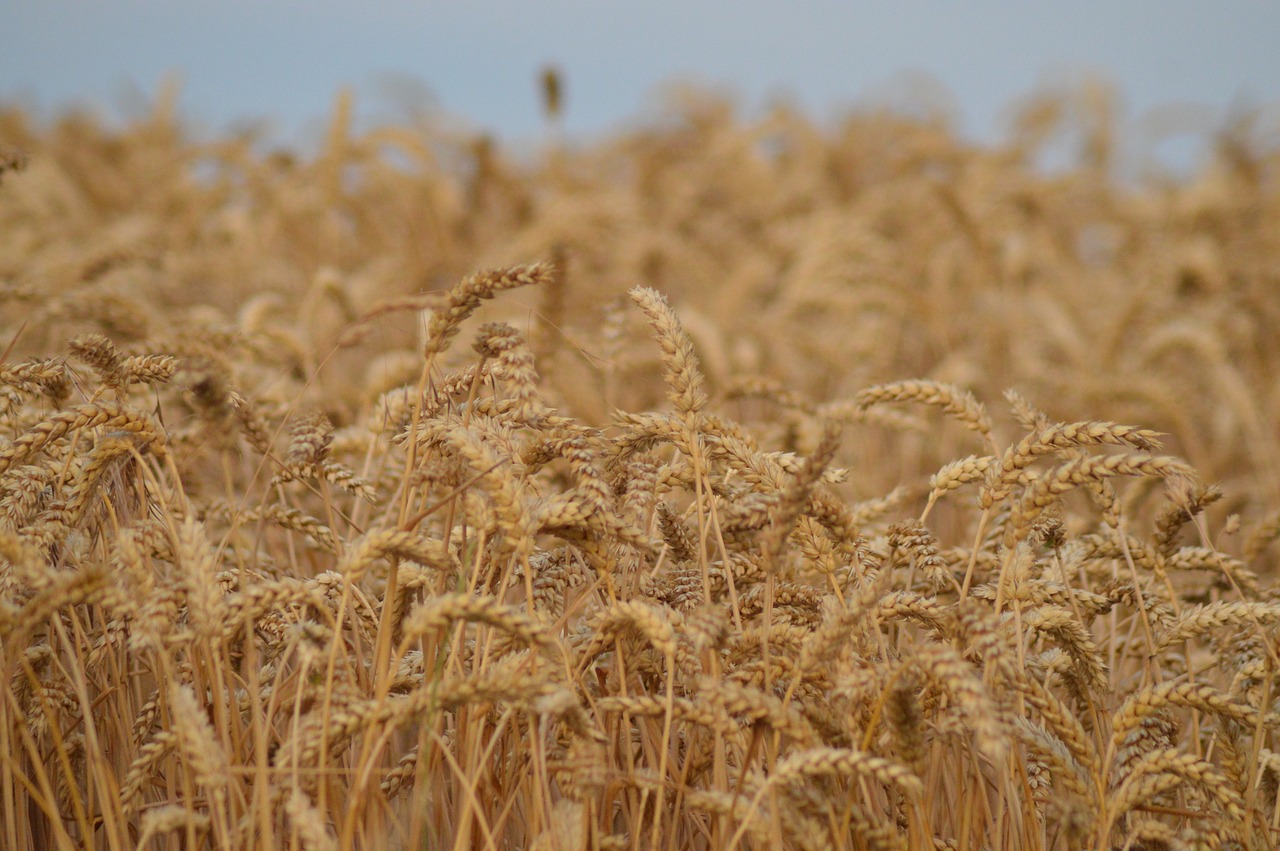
x,y
327,577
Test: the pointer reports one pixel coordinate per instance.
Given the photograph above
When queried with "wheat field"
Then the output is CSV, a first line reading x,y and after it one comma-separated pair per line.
x,y
778,486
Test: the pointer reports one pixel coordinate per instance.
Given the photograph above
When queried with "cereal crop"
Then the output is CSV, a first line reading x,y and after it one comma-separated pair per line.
x,y
724,483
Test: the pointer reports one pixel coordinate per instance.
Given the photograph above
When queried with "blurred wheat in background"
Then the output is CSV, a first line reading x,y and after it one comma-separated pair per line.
x,y
781,486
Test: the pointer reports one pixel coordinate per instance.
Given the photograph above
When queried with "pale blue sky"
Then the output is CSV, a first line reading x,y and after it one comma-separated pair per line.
x,y
284,60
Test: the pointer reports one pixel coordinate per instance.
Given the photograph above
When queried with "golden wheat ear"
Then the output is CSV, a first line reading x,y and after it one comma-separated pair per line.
x,y
682,372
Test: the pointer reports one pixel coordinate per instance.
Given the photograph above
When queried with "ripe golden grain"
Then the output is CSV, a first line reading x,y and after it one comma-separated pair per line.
x,y
677,571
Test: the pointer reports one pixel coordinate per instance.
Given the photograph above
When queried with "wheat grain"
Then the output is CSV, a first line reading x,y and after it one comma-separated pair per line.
x,y
953,400
98,415
1162,770
846,762
168,819
1055,438
310,825
553,616
444,610
683,374
465,298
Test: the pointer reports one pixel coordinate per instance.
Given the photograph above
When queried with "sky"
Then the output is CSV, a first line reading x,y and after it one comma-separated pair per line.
x,y
1177,64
